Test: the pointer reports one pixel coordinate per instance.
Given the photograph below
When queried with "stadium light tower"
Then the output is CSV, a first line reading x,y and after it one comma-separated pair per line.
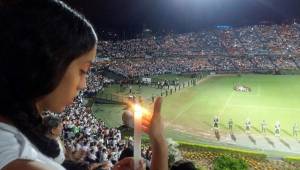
x,y
147,33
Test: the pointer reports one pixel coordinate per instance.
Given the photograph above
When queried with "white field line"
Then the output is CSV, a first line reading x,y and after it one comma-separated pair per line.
x,y
191,104
228,100
180,114
226,104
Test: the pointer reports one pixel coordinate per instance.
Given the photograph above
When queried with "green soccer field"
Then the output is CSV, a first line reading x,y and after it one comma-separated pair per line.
x,y
189,113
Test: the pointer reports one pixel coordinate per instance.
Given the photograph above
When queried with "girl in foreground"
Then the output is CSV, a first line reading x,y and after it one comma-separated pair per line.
x,y
46,50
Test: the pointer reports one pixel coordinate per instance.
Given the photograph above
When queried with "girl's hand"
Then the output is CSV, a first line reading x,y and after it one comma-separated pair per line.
x,y
153,126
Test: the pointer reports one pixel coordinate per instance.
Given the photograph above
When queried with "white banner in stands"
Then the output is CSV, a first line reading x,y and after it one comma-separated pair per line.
x,y
101,59
146,80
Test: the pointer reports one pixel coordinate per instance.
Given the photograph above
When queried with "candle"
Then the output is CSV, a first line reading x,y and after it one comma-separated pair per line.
x,y
137,134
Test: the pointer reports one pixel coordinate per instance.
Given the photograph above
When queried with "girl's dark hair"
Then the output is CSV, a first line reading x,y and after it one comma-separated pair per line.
x,y
38,41
127,152
183,164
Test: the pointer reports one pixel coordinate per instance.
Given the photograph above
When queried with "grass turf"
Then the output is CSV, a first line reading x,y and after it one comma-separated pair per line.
x,y
191,110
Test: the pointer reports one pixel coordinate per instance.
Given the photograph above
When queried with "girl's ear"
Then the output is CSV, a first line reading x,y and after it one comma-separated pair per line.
x,y
52,131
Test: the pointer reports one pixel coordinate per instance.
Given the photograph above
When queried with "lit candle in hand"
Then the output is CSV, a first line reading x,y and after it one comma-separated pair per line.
x,y
137,134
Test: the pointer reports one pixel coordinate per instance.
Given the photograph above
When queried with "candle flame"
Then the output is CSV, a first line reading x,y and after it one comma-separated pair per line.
x,y
138,110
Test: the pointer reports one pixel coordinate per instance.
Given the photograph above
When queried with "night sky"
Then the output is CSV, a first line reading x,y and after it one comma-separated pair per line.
x,y
129,17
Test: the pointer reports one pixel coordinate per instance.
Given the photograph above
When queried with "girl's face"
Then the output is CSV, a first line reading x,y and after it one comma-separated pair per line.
x,y
72,82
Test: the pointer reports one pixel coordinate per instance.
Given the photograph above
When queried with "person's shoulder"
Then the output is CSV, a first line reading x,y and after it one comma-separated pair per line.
x,y
10,147
25,165
16,151
14,146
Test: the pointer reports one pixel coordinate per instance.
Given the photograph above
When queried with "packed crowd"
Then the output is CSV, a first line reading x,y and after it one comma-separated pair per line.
x,y
94,82
244,41
83,132
249,48
140,66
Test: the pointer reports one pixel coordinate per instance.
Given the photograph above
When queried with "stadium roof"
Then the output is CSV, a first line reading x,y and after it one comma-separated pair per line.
x,y
127,17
